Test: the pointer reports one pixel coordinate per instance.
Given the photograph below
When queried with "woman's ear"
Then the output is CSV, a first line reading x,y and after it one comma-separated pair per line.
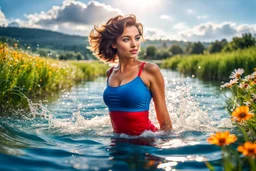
x,y
113,46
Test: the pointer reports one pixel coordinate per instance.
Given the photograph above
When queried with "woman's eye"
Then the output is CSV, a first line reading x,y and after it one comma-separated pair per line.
x,y
125,40
137,38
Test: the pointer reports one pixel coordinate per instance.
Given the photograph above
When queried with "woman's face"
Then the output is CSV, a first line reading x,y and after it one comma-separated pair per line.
x,y
128,44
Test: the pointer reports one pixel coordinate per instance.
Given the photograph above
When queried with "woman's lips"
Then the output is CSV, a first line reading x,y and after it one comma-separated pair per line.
x,y
134,51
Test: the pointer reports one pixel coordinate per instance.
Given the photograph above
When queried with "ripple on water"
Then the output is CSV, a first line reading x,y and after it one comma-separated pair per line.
x,y
75,133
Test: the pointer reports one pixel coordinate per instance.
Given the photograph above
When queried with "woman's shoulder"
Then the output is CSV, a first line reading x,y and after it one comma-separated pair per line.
x,y
151,67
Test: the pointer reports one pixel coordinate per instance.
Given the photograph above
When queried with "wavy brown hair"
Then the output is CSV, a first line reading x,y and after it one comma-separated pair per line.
x,y
102,37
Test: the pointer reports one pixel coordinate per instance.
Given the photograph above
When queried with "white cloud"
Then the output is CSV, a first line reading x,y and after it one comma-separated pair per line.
x,y
14,24
180,26
3,20
75,17
72,17
211,31
202,17
154,33
166,17
190,11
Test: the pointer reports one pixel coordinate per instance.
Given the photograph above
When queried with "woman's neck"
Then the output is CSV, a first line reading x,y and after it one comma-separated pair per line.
x,y
126,64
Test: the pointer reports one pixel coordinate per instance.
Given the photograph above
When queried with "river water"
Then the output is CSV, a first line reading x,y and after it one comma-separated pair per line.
x,y
74,132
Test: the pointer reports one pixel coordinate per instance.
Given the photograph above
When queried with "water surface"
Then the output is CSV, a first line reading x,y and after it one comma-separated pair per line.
x,y
74,132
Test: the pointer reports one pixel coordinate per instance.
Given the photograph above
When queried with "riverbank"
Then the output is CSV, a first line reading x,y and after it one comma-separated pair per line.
x,y
213,66
26,75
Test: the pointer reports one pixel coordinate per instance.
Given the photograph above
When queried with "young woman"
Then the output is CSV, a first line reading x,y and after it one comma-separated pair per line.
x,y
132,83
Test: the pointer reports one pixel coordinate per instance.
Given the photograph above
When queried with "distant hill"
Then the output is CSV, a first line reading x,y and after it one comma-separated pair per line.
x,y
46,39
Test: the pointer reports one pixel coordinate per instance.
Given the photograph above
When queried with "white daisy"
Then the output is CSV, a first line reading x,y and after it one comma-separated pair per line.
x,y
234,81
231,82
247,103
248,78
254,96
253,74
237,73
241,85
225,85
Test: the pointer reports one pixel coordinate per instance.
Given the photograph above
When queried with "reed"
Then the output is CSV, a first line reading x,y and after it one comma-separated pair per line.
x,y
23,74
213,66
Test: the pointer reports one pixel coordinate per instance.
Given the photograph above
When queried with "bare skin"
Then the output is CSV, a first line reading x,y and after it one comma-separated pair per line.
x,y
128,69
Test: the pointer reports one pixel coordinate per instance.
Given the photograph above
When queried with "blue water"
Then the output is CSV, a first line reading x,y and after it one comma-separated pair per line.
x,y
74,132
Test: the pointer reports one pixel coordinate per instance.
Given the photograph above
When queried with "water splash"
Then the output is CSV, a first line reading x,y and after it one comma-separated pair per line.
x,y
70,114
185,110
75,123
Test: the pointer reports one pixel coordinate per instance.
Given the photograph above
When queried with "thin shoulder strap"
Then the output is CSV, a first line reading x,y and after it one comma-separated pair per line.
x,y
141,67
110,71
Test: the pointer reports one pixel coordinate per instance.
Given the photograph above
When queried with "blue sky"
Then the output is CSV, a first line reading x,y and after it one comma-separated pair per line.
x,y
193,20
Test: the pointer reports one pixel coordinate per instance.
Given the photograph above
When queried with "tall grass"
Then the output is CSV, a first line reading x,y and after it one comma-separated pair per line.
x,y
90,70
23,74
213,66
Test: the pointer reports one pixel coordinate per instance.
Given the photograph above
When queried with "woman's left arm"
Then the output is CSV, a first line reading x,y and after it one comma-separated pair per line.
x,y
157,89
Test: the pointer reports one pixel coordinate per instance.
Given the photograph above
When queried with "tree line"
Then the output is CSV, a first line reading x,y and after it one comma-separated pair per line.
x,y
65,47
152,52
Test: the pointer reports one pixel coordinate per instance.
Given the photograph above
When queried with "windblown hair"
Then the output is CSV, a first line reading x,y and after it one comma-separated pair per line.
x,y
102,37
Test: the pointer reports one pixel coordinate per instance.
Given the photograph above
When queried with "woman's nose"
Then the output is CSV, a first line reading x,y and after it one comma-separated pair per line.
x,y
132,43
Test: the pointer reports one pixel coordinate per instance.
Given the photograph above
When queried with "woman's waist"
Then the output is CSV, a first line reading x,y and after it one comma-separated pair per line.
x,y
133,123
130,116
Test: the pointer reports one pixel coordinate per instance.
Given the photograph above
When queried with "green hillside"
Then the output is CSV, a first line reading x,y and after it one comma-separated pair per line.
x,y
45,42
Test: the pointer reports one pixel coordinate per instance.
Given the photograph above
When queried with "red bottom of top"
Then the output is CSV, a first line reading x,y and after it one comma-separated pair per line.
x,y
131,123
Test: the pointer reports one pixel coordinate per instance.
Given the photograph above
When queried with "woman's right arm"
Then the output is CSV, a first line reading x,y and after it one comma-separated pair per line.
x,y
157,89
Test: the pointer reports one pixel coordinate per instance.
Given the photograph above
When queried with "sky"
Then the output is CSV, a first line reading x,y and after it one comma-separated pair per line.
x,y
187,20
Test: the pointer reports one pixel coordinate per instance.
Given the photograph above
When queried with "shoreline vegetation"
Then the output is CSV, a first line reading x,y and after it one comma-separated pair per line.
x,y
214,67
242,109
25,75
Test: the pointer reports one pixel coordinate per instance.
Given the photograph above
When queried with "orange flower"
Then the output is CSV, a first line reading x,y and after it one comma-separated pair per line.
x,y
15,45
222,138
241,113
248,149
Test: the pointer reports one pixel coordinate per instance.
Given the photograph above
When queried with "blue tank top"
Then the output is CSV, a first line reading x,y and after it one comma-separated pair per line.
x,y
133,96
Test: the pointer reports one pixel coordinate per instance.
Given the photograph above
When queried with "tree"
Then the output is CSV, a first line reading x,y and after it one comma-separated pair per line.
x,y
62,57
164,45
224,42
188,48
246,41
215,47
163,54
78,56
42,52
151,52
176,49
142,54
195,48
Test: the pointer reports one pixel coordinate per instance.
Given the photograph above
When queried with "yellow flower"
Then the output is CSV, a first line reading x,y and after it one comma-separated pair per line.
x,y
248,149
241,114
15,45
252,83
222,138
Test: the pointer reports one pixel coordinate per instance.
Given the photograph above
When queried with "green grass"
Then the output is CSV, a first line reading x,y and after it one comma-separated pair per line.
x,y
26,75
213,66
